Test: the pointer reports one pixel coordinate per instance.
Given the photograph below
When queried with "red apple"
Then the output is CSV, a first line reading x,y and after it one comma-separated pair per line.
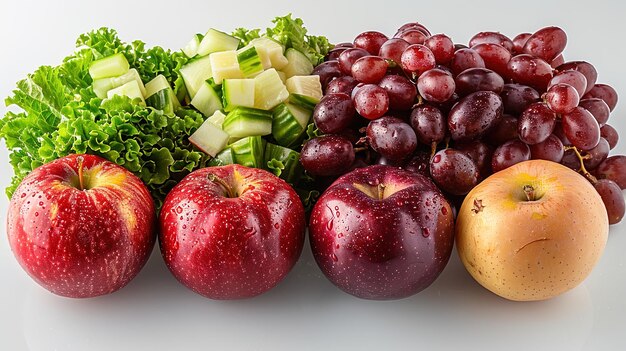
x,y
382,232
231,232
81,226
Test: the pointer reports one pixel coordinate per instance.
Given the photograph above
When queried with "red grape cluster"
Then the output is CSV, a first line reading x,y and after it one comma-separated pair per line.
x,y
459,113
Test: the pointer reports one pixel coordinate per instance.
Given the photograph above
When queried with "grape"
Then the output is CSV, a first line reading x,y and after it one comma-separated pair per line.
x,y
518,43
436,85
464,59
417,59
604,92
503,131
402,92
613,199
454,171
344,85
458,47
610,134
392,138
442,47
371,101
516,98
420,163
562,98
583,67
476,79
536,123
369,69
333,54
598,108
327,155
327,71
508,154
571,160
334,113
530,70
613,168
581,128
495,56
550,149
392,49
558,131
596,155
344,45
480,153
573,78
370,41
559,60
413,36
413,25
547,43
492,38
474,115
428,123
348,57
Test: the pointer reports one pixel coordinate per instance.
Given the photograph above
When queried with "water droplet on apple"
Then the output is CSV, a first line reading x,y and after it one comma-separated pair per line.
x,y
336,208
425,232
337,246
334,257
23,195
184,226
337,214
179,210
202,231
329,225
40,203
340,235
444,211
276,225
36,214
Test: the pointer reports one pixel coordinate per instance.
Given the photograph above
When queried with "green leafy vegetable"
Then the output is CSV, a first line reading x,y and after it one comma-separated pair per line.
x,y
61,115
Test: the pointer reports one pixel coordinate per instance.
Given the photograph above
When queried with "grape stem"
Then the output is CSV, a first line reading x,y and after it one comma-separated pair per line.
x,y
582,168
433,149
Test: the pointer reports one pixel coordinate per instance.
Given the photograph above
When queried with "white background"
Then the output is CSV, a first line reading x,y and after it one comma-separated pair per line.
x,y
305,312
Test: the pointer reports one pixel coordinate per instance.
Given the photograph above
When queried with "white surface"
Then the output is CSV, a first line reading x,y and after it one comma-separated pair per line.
x,y
305,312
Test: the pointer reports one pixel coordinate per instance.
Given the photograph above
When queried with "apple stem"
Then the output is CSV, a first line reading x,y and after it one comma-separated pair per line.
x,y
230,193
530,192
582,168
381,191
81,178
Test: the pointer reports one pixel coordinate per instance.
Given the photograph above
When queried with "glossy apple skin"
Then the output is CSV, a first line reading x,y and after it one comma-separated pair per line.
x,y
231,247
81,243
382,249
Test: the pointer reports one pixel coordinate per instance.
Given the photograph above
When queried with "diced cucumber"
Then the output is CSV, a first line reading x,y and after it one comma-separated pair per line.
x,y
206,100
159,94
283,162
191,49
244,121
195,74
303,101
271,51
289,123
130,89
225,157
298,64
238,92
110,66
224,65
269,90
103,85
209,138
217,118
249,151
215,41
249,61
305,85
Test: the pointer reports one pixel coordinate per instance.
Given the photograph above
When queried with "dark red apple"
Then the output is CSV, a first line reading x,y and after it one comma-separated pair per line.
x,y
231,232
81,226
382,232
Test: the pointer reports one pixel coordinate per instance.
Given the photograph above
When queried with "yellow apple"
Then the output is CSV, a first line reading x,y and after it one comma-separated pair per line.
x,y
532,231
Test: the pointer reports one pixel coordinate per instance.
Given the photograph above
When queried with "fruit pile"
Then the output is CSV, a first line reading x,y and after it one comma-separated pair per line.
x,y
459,113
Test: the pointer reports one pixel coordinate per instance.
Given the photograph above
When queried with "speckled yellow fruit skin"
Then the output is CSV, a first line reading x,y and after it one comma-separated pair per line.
x,y
531,250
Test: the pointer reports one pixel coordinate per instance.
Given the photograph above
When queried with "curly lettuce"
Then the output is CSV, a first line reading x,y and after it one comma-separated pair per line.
x,y
60,115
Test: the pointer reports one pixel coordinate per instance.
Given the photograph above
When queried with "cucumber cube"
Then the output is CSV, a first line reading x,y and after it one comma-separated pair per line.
x,y
215,41
269,90
110,66
224,65
238,92
209,138
130,89
206,100
195,74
